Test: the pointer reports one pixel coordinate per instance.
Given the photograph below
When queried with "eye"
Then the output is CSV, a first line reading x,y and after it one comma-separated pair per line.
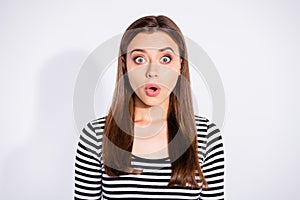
x,y
139,59
165,59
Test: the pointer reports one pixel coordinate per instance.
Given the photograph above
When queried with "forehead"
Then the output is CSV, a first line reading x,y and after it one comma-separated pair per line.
x,y
155,40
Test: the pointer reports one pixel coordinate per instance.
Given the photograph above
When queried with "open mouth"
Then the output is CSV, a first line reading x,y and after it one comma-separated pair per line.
x,y
152,90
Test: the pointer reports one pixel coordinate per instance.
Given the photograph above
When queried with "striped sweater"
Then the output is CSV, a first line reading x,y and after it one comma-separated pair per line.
x,y
91,181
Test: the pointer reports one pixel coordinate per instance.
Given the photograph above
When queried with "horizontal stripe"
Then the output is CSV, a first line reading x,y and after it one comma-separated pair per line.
x,y
92,182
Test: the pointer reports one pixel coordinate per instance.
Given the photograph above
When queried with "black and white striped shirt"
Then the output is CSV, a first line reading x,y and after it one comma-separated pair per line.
x,y
91,181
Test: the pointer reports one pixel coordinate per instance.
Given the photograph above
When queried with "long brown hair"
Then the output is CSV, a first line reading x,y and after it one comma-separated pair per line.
x,y
182,134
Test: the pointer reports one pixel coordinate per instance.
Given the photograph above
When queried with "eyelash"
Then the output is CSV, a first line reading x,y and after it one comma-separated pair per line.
x,y
134,58
167,57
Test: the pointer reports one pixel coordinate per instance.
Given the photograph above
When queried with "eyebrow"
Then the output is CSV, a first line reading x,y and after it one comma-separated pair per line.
x,y
163,49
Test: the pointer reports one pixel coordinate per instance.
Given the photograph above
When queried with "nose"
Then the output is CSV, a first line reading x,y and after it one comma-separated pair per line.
x,y
152,71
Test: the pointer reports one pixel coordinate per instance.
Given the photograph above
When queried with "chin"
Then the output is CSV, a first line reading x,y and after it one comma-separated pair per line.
x,y
152,102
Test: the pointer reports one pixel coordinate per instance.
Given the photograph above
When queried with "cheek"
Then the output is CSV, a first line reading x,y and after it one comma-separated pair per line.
x,y
170,83
176,64
169,78
136,78
129,64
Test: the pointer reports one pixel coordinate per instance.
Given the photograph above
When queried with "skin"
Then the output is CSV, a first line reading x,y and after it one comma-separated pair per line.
x,y
152,58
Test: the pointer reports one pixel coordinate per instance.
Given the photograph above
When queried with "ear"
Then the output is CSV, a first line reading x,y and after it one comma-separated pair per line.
x,y
181,64
123,59
123,64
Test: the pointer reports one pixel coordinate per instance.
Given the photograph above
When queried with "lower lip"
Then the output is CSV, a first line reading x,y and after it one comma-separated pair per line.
x,y
152,93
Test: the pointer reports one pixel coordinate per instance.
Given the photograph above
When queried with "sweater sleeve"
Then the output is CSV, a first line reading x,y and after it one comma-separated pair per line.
x,y
88,176
213,164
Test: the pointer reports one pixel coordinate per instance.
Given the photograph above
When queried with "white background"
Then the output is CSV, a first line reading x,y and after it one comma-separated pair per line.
x,y
253,44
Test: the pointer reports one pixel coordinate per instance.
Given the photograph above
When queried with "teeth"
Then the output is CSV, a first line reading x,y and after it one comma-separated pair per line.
x,y
153,88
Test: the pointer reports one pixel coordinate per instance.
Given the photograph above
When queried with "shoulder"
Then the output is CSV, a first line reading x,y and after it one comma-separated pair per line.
x,y
205,125
98,124
93,130
94,127
91,136
201,123
211,158
209,136
90,139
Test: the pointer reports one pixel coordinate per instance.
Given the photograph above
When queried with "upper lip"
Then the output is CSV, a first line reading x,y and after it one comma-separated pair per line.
x,y
152,85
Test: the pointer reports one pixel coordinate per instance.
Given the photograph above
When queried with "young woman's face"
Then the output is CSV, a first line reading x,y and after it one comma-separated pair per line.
x,y
153,66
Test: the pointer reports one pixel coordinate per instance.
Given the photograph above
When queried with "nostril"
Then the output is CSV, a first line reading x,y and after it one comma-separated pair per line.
x,y
151,74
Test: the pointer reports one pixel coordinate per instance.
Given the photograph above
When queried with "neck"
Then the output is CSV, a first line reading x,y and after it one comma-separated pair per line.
x,y
145,114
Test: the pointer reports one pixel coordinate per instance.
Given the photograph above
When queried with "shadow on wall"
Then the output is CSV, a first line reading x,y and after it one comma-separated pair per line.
x,y
43,168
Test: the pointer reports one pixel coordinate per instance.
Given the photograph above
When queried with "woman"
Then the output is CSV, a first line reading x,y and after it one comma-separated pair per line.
x,y
151,145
